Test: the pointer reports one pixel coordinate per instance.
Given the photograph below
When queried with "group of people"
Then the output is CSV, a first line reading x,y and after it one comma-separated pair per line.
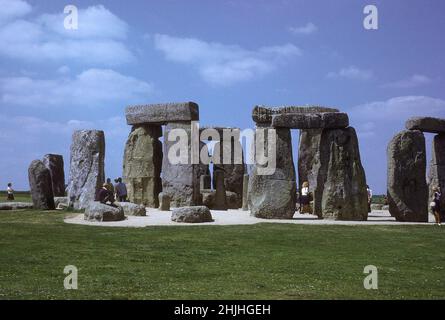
x,y
109,193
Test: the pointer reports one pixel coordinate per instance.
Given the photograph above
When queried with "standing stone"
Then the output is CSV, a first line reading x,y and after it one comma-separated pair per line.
x,y
436,175
407,188
142,165
40,186
273,196
181,181
309,163
54,163
164,202
341,184
245,192
205,182
220,194
86,166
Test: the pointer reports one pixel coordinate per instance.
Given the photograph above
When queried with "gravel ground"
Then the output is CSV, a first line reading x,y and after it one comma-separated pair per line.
x,y
238,217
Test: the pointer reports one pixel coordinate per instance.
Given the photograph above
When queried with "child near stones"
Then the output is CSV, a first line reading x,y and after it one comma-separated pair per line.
x,y
10,192
435,204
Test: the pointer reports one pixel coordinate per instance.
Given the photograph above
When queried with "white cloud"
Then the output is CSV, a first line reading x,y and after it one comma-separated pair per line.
x,y
98,39
91,88
351,72
221,64
12,9
415,80
309,28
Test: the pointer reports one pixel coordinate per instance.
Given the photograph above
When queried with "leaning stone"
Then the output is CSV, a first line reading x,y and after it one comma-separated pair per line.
x,y
132,209
272,196
426,124
407,188
436,176
15,205
341,179
86,167
162,113
97,211
40,186
328,120
196,214
142,165
164,202
263,114
54,163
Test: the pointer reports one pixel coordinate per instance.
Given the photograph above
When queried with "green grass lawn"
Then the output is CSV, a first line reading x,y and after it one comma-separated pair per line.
x,y
20,196
263,261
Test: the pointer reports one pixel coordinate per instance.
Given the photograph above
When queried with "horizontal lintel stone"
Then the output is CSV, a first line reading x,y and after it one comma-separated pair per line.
x,y
426,124
263,114
328,120
162,113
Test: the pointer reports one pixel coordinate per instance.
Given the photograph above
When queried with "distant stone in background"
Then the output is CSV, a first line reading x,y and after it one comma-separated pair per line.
x,y
407,188
220,193
426,124
164,202
232,200
86,167
132,209
96,211
436,176
54,163
40,186
142,165
274,196
205,182
15,205
341,179
245,192
376,206
194,214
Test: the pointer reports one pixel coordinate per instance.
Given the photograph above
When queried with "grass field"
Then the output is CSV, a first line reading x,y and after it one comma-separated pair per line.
x,y
20,196
263,261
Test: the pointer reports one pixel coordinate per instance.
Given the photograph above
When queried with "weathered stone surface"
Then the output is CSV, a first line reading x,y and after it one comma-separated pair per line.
x,y
86,166
341,181
15,205
96,211
209,196
436,176
40,186
195,214
142,165
232,200
164,202
132,209
273,196
426,124
205,182
309,163
181,181
162,113
245,192
263,114
407,188
328,120
61,200
54,163
220,193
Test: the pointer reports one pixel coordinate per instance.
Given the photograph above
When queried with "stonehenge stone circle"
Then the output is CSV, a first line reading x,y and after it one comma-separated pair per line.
x,y
328,120
54,163
341,186
193,214
96,211
86,166
407,188
142,165
426,124
162,113
273,196
436,176
40,186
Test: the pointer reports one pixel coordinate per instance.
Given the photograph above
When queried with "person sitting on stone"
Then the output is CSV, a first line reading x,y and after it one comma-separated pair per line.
x,y
435,204
305,199
105,196
110,186
121,190
10,192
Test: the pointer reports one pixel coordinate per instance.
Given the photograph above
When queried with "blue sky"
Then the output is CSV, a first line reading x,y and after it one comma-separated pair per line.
x,y
225,55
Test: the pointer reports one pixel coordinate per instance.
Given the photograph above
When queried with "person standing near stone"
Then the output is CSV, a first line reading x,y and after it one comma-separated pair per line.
x,y
10,192
121,190
369,191
305,199
435,204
